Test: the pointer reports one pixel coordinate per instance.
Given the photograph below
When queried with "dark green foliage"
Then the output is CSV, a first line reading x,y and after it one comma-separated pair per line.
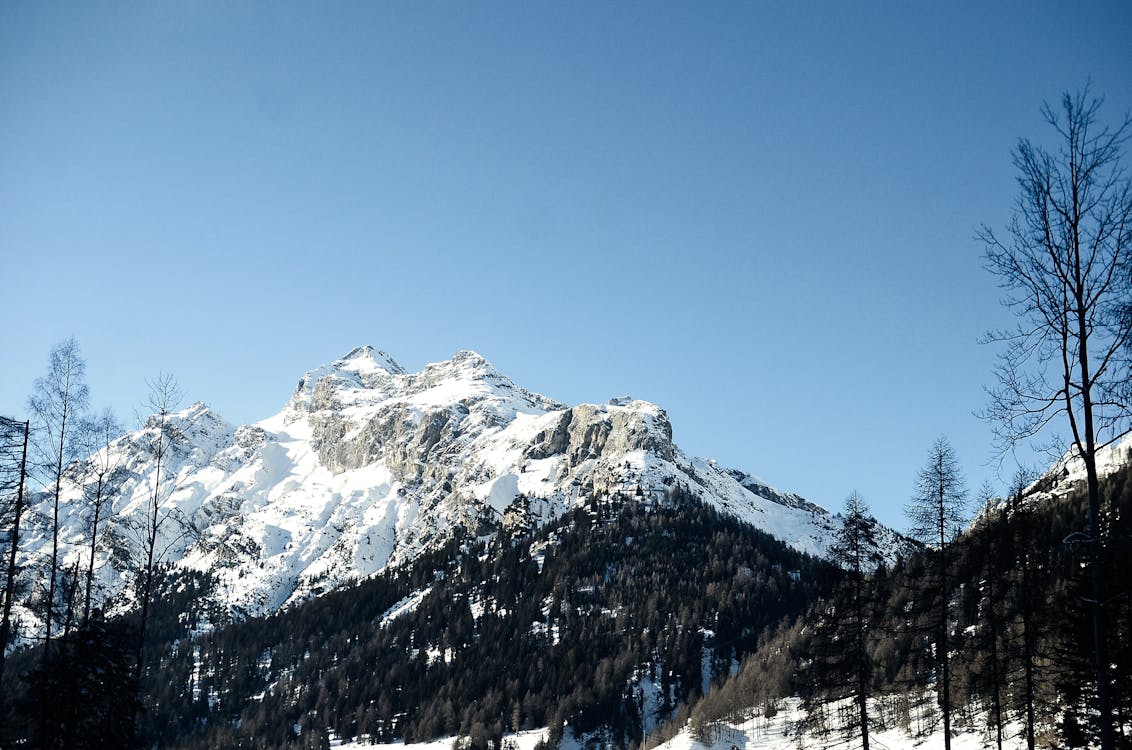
x,y
83,694
550,628
840,663
561,626
1020,631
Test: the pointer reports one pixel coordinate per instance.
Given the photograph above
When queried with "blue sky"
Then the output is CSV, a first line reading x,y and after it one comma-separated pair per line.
x,y
759,216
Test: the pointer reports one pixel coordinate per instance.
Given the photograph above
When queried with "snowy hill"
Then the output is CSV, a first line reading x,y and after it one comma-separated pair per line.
x,y
368,465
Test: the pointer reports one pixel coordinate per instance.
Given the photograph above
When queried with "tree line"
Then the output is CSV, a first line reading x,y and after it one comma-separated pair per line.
x,y
76,681
607,621
1012,608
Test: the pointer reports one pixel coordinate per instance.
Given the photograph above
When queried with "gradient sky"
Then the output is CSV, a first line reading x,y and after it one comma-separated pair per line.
x,y
759,216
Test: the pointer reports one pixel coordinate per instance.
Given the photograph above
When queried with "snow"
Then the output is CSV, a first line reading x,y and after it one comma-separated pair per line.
x,y
778,732
1109,458
368,465
520,741
404,607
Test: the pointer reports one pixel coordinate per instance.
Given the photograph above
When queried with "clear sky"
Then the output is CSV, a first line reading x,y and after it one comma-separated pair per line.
x,y
759,216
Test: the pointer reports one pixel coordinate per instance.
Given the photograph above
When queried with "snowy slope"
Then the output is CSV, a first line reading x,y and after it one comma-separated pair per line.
x,y
780,731
758,732
1069,472
367,465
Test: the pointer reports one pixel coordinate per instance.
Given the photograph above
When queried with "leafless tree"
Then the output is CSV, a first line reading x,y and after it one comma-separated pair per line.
x,y
164,398
14,451
1064,261
57,404
936,512
102,465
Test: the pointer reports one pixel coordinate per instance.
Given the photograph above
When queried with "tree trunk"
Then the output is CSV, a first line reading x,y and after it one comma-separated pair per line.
x,y
1028,648
1088,451
55,535
10,582
992,622
945,686
93,541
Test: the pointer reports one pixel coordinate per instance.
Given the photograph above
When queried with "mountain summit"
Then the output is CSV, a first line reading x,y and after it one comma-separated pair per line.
x,y
368,465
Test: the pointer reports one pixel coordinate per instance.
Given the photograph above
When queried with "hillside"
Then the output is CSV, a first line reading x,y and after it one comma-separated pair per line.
x,y
603,623
369,466
1020,643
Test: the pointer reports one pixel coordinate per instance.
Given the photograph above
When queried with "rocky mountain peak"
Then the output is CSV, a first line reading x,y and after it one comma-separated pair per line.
x,y
369,465
364,359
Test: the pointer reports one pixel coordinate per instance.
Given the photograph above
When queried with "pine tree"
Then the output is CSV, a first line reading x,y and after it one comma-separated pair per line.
x,y
988,547
936,512
842,663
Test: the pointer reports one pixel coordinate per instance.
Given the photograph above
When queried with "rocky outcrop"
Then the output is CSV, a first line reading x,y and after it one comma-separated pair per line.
x,y
368,465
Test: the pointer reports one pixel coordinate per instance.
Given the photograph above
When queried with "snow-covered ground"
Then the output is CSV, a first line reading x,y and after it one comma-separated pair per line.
x,y
778,732
520,741
758,732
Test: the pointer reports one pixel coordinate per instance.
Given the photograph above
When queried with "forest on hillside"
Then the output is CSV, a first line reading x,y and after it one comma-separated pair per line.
x,y
609,619
1019,629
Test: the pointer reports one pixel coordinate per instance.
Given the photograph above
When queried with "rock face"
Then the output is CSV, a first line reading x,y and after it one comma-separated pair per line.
x,y
368,465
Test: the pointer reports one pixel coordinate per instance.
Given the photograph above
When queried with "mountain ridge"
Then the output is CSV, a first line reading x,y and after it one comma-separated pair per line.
x,y
367,465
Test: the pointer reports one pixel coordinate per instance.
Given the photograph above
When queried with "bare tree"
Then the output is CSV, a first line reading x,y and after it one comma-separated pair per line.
x,y
57,404
164,398
1064,261
13,442
103,463
936,512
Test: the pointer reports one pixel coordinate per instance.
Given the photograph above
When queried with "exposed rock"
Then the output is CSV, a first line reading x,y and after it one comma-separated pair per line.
x,y
369,465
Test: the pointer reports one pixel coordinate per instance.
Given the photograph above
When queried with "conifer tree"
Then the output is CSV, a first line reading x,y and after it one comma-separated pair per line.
x,y
936,512
988,547
842,664
1023,595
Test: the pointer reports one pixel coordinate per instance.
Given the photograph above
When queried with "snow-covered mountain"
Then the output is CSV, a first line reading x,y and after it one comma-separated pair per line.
x,y
368,465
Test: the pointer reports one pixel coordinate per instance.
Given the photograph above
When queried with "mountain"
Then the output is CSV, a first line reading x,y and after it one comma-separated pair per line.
x,y
402,556
367,466
606,619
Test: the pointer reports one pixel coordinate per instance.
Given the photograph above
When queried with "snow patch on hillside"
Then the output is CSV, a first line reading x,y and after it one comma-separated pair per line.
x,y
367,466
779,732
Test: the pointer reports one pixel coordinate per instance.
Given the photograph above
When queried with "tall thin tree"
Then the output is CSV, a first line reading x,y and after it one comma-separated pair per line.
x,y
1064,261
988,547
936,513
856,550
104,461
163,400
57,405
840,664
13,443
1024,596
